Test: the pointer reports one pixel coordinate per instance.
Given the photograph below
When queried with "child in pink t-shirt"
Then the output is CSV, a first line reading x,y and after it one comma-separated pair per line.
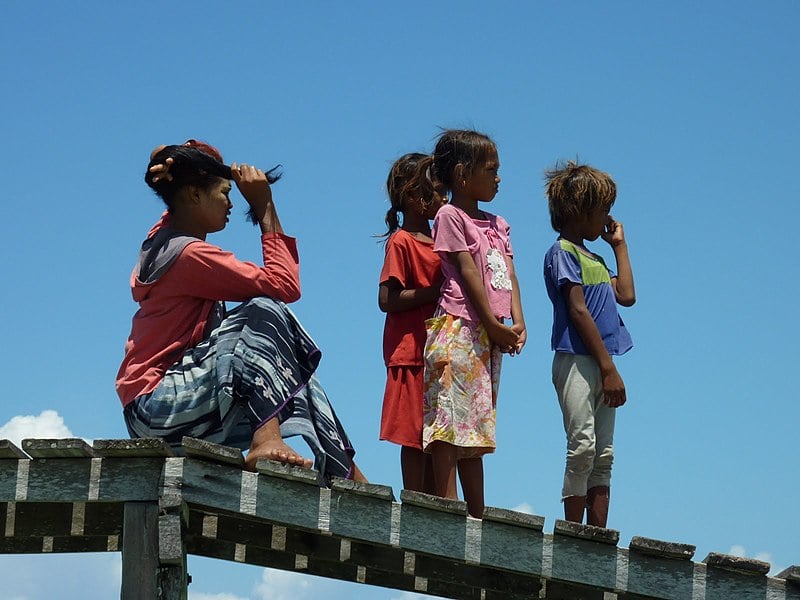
x,y
467,336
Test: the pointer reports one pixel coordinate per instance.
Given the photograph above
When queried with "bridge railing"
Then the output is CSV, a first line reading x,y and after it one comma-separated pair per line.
x,y
137,498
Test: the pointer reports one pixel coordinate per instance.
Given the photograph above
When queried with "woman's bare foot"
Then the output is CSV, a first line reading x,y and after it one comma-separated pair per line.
x,y
278,451
268,443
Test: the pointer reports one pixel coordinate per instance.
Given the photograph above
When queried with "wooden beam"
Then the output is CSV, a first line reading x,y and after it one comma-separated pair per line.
x,y
140,551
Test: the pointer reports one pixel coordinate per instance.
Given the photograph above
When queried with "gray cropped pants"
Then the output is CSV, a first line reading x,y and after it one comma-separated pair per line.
x,y
588,423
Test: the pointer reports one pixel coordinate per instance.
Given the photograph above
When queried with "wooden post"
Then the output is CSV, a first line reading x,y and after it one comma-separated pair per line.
x,y
140,551
153,554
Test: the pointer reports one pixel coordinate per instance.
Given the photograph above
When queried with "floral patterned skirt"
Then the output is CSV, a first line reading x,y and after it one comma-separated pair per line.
x,y
462,373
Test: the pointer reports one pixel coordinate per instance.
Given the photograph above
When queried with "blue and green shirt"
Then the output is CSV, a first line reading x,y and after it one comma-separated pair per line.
x,y
565,263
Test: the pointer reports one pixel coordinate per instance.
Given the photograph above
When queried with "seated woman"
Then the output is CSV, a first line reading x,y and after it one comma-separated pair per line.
x,y
242,378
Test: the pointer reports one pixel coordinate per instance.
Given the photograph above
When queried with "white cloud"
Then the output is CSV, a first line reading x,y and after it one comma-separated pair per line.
x,y
736,550
282,585
49,424
524,508
765,556
223,596
412,596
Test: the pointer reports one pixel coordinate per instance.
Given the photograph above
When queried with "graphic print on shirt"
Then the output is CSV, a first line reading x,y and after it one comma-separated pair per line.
x,y
497,265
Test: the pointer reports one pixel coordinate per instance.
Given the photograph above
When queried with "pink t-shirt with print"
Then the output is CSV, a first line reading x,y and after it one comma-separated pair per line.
x,y
487,241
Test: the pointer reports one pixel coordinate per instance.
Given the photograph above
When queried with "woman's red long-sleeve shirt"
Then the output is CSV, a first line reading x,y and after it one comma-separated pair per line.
x,y
175,309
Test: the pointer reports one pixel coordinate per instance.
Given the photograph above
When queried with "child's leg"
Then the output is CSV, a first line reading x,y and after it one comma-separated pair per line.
x,y
444,459
428,484
577,382
412,464
597,499
574,507
470,472
600,478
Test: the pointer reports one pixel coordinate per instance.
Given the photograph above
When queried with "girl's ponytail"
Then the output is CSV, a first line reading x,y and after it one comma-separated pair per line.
x,y
402,172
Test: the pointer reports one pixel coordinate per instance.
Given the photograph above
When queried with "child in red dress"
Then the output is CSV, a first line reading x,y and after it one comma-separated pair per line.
x,y
408,292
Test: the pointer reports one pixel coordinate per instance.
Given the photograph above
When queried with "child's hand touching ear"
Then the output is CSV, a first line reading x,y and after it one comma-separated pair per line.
x,y
613,232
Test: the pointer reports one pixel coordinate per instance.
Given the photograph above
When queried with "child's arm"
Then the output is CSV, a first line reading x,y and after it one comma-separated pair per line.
x,y
623,283
500,334
393,297
516,310
613,386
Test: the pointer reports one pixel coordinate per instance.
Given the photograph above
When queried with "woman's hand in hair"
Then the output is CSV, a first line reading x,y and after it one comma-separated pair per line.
x,y
252,183
161,170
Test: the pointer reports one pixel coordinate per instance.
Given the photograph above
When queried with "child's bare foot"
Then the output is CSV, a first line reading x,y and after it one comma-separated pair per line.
x,y
268,443
275,450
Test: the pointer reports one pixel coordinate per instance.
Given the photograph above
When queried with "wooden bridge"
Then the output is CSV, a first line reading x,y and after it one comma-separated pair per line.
x,y
137,498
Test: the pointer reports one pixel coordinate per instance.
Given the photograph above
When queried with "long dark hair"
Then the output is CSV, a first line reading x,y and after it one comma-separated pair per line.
x,y
193,163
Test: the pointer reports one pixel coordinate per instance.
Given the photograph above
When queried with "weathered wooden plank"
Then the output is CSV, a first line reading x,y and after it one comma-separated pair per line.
x,y
211,484
391,578
103,518
57,448
372,490
791,574
9,470
474,576
129,479
457,507
132,448
39,519
57,480
9,450
308,543
447,589
512,517
291,502
20,545
201,449
586,532
7,516
725,584
361,512
511,546
173,582
83,543
419,517
791,590
170,540
584,562
654,576
247,531
740,564
380,558
252,555
290,472
661,549
140,551
561,590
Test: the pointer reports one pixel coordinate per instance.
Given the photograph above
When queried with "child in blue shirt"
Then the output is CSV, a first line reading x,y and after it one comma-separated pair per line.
x,y
587,331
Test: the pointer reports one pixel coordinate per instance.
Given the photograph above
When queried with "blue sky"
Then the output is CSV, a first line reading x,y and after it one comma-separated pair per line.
x,y
692,107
